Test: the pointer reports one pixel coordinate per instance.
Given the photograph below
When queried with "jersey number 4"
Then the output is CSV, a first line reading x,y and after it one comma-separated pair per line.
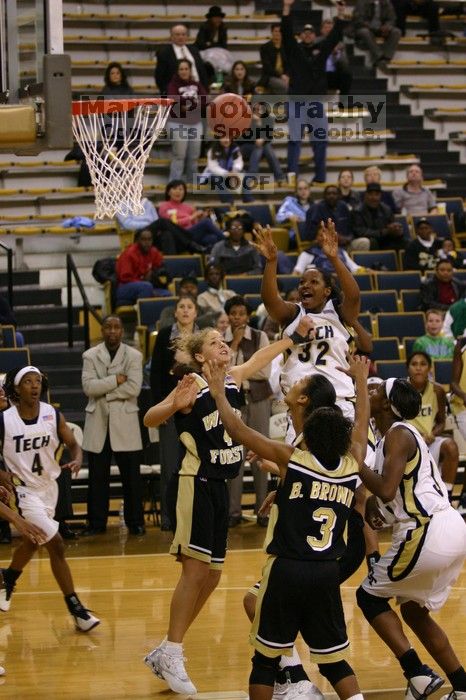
x,y
37,467
322,347
327,517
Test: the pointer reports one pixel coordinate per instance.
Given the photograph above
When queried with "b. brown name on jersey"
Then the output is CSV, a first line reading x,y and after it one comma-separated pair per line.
x,y
323,491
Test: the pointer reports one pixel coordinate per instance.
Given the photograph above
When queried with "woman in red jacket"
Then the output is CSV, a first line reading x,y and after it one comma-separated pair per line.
x,y
137,270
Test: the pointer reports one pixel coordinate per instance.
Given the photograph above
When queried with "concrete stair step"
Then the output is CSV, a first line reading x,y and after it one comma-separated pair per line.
x,y
57,333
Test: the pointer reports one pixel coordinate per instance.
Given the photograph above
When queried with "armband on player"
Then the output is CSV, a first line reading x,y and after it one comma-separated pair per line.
x,y
299,339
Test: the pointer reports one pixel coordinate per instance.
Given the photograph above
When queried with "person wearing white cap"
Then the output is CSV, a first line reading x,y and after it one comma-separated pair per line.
x,y
428,543
31,434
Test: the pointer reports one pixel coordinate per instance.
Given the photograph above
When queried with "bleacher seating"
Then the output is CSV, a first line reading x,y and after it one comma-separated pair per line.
x,y
374,259
391,368
13,357
410,300
374,302
400,324
385,349
398,280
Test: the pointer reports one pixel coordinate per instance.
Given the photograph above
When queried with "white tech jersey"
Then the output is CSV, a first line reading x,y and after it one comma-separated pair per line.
x,y
29,450
421,492
326,352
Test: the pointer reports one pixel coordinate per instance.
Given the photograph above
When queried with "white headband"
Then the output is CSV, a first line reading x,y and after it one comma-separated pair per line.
x,y
388,390
19,375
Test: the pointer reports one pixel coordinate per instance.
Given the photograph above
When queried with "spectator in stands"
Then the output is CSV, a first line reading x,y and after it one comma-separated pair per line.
x,y
244,341
169,238
306,67
374,221
212,42
139,270
235,255
214,298
84,175
185,123
162,382
348,195
116,81
422,253
112,380
413,198
222,323
374,174
454,325
7,318
239,81
330,207
314,257
434,342
256,144
449,252
295,208
428,9
188,286
373,19
274,78
442,289
225,161
196,222
168,57
431,418
337,68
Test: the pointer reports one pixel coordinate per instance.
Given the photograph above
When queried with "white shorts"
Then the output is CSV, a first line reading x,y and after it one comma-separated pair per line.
x,y
37,506
434,449
424,576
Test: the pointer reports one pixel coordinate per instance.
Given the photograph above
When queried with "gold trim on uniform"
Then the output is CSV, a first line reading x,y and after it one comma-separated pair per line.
x,y
410,549
331,656
191,461
270,651
184,516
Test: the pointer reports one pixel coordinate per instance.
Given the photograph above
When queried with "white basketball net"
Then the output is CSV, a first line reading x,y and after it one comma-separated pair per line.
x,y
116,146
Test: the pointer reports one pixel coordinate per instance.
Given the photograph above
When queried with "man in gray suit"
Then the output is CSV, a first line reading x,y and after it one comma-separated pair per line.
x,y
112,379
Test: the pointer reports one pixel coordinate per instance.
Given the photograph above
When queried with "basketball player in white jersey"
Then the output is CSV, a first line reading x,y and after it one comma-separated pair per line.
x,y
330,346
31,434
428,543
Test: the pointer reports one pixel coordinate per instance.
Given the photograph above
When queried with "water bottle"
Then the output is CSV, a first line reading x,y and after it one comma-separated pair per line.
x,y
121,515
219,77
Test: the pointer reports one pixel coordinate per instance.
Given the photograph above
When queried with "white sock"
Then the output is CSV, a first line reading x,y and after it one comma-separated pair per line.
x,y
163,642
293,660
174,648
359,696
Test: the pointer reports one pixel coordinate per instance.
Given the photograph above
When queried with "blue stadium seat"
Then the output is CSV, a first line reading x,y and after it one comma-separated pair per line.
x,y
408,342
442,371
439,222
259,212
201,285
391,368
455,208
8,335
375,302
406,226
410,300
253,300
184,265
149,310
364,281
366,322
385,349
244,284
374,259
398,280
400,324
13,357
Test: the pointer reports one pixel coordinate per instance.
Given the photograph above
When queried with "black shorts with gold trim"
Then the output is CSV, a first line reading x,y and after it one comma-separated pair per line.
x,y
300,596
201,520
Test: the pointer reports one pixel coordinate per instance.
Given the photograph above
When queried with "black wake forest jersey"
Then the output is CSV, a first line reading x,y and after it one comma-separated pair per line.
x,y
313,505
209,451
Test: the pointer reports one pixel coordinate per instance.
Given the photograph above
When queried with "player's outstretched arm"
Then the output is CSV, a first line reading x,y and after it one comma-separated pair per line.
x,y
359,370
182,398
303,334
351,304
279,310
274,451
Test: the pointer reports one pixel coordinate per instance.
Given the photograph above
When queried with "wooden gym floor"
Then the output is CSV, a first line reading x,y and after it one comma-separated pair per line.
x,y
128,583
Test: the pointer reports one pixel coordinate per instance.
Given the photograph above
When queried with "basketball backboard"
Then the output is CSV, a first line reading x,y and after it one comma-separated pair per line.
x,y
35,77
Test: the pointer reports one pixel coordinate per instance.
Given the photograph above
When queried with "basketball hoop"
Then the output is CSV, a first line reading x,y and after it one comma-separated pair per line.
x,y
116,137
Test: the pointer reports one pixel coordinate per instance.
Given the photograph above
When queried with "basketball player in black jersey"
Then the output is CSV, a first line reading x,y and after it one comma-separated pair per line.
x,y
210,457
300,590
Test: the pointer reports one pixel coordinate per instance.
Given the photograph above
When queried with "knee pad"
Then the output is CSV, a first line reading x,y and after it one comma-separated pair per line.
x,y
371,605
335,672
264,669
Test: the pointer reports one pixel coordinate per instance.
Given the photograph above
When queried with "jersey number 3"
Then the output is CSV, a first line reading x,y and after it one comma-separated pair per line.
x,y
327,517
37,467
322,347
